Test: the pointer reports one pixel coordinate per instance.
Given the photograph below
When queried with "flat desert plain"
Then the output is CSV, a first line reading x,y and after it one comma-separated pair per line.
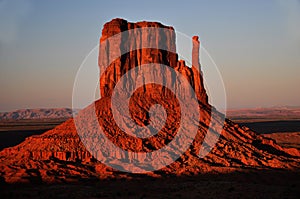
x,y
242,183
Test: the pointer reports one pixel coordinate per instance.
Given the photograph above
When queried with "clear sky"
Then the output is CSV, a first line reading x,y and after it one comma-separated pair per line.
x,y
256,45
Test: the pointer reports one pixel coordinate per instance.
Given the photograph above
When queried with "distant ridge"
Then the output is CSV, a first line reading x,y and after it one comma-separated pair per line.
x,y
39,113
268,113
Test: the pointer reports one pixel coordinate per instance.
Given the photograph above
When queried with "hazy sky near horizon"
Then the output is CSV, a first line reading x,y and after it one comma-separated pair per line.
x,y
255,44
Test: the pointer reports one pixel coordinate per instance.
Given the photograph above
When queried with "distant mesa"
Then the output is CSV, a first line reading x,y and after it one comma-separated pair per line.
x,y
41,113
59,155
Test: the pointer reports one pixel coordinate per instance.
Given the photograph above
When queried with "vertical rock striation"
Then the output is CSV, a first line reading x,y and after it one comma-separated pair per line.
x,y
125,45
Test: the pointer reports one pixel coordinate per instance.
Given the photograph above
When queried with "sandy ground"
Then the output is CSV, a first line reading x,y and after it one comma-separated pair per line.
x,y
286,139
241,184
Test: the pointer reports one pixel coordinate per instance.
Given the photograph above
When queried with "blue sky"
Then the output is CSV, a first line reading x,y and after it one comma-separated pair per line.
x,y
256,45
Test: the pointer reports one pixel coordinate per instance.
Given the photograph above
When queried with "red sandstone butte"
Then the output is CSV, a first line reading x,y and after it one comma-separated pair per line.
x,y
59,155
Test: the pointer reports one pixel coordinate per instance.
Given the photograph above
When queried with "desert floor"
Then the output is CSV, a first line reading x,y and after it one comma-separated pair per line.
x,y
243,183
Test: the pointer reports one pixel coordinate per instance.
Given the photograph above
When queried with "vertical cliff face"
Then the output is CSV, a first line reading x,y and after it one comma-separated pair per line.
x,y
124,46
